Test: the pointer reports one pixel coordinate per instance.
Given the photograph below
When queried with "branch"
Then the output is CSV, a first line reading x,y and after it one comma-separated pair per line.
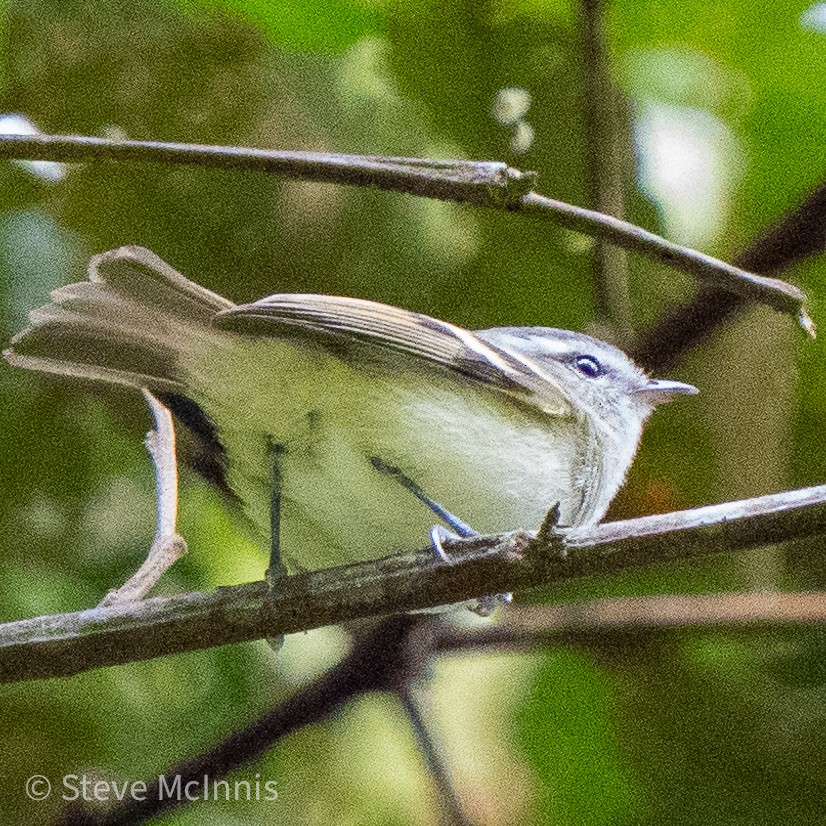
x,y
607,196
483,183
660,347
168,546
450,806
397,650
381,660
65,644
584,623
708,270
798,235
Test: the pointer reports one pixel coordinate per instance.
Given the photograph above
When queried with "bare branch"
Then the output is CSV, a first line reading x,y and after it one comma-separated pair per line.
x,y
381,659
708,270
660,347
168,546
394,652
66,644
798,235
595,620
450,807
483,183
604,152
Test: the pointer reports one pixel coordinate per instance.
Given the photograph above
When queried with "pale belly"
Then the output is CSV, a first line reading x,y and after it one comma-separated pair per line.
x,y
495,464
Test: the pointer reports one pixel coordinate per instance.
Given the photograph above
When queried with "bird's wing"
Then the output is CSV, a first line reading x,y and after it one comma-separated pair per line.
x,y
338,322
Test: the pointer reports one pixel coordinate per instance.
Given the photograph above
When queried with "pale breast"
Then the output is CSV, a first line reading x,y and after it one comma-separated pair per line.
x,y
493,462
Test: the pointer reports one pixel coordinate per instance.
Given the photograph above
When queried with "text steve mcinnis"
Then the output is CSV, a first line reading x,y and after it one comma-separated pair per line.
x,y
93,788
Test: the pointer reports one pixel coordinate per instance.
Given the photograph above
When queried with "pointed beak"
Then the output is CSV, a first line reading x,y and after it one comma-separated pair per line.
x,y
657,391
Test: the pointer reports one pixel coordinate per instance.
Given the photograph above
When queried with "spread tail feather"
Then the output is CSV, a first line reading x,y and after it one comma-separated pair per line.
x,y
125,325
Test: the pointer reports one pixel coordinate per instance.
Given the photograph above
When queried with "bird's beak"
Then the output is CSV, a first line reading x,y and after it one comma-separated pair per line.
x,y
657,391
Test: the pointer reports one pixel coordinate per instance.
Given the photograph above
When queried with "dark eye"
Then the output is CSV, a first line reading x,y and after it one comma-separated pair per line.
x,y
588,366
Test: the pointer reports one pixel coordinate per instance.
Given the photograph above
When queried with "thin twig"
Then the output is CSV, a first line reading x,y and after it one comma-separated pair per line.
x,y
66,644
451,810
483,183
708,270
168,546
604,151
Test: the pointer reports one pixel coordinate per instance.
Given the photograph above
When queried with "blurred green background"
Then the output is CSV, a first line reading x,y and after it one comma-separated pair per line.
x,y
725,108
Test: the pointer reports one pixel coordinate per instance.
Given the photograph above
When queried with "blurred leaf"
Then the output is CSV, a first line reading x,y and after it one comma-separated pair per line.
x,y
329,25
713,737
567,731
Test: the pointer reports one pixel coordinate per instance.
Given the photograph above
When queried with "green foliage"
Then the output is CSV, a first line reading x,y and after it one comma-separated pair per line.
x,y
680,729
331,25
568,731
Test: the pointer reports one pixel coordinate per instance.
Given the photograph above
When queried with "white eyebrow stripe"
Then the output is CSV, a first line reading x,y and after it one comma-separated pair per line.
x,y
510,346
541,345
535,345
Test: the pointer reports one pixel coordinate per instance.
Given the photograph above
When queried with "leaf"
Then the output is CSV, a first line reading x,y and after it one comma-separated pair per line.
x,y
326,26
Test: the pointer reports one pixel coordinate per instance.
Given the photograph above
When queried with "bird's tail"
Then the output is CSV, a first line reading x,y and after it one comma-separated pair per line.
x,y
127,324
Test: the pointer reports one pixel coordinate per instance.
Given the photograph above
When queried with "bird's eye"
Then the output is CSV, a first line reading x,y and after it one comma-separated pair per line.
x,y
588,366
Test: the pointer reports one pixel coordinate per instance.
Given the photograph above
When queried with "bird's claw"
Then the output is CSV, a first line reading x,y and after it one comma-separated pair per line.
x,y
483,606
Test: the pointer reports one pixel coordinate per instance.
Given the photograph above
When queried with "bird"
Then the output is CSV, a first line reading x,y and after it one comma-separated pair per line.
x,y
370,418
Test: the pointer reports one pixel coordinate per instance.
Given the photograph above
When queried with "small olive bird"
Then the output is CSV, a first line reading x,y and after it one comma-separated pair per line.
x,y
346,398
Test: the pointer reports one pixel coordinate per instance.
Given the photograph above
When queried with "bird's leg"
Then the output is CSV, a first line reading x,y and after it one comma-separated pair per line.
x,y
484,606
438,533
276,570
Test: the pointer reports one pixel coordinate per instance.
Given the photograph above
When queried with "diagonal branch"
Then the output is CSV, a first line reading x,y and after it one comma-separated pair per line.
x,y
660,347
381,659
65,644
708,270
798,235
482,183
450,805
395,651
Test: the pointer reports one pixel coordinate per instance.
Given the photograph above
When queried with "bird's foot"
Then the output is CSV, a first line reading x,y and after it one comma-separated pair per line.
x,y
483,606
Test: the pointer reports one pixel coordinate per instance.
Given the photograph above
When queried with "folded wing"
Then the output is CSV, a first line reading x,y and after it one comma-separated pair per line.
x,y
350,324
